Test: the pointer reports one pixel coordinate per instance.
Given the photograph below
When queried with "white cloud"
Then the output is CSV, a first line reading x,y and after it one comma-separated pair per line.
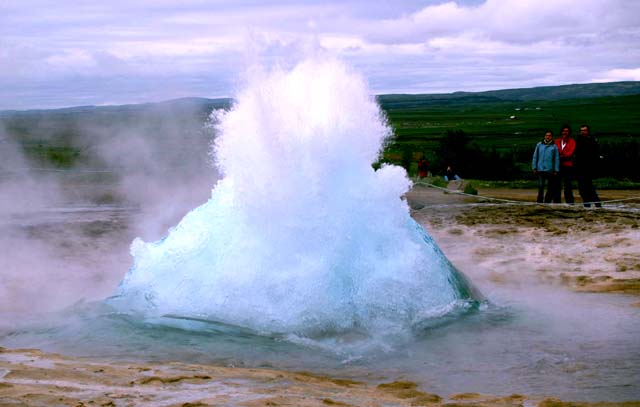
x,y
511,21
74,58
195,47
407,45
617,75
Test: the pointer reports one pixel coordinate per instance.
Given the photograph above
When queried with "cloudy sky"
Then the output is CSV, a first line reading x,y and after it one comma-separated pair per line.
x,y
74,52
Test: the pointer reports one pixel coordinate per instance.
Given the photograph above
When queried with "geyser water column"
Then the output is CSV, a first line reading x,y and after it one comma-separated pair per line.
x,y
301,235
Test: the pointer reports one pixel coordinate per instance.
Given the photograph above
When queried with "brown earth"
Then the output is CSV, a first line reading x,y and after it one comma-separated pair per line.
x,y
586,249
32,378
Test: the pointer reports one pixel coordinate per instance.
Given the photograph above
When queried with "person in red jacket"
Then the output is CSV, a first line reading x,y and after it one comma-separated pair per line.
x,y
423,167
566,147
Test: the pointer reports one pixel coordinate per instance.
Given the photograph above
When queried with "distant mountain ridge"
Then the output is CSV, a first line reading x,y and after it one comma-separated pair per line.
x,y
546,93
400,100
187,103
575,91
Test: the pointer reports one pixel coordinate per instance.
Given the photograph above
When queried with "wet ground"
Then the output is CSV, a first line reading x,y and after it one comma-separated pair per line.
x,y
586,249
564,319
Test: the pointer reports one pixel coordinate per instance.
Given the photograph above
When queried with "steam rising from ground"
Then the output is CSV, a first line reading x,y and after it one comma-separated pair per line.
x,y
22,189
62,229
301,235
163,165
22,192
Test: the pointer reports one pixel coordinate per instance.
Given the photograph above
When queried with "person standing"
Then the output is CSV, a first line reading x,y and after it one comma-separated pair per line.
x,y
586,162
450,175
566,148
423,167
545,165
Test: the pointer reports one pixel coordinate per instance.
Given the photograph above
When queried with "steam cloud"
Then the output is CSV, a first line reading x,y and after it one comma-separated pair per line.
x,y
65,231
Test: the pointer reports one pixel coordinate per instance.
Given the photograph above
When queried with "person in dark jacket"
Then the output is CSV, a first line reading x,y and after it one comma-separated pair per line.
x,y
450,175
566,147
587,162
545,165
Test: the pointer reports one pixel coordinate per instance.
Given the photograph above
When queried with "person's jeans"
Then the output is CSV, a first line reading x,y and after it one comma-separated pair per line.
x,y
549,179
565,181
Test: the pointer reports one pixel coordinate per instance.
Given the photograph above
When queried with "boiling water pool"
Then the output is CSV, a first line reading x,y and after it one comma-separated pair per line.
x,y
544,342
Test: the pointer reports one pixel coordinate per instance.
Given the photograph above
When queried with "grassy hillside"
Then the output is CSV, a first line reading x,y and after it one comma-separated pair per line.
x,y
576,91
64,138
507,130
166,135
506,124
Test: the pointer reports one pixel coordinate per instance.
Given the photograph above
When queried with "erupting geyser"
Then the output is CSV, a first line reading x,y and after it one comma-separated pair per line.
x,y
301,235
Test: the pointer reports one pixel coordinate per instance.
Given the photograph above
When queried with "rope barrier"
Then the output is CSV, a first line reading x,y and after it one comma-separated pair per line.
x,y
513,202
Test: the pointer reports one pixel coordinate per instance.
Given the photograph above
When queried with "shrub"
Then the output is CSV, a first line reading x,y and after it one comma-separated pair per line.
x,y
470,189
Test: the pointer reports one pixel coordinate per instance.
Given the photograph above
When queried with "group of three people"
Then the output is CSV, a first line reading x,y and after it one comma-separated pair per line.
x,y
557,163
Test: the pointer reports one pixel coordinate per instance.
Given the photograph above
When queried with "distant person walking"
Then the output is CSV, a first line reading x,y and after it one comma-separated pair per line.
x,y
545,165
423,167
566,147
587,162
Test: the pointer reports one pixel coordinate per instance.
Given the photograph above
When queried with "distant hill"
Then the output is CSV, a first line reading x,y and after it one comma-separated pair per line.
x,y
390,101
162,137
542,93
157,136
576,91
180,105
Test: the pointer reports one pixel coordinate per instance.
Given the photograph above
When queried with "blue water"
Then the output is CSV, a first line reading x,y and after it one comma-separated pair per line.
x,y
573,346
528,340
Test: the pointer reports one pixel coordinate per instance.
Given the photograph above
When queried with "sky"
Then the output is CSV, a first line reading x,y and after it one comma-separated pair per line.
x,y
69,53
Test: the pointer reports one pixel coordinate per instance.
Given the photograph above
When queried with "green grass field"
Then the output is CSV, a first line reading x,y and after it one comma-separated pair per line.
x,y
509,122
